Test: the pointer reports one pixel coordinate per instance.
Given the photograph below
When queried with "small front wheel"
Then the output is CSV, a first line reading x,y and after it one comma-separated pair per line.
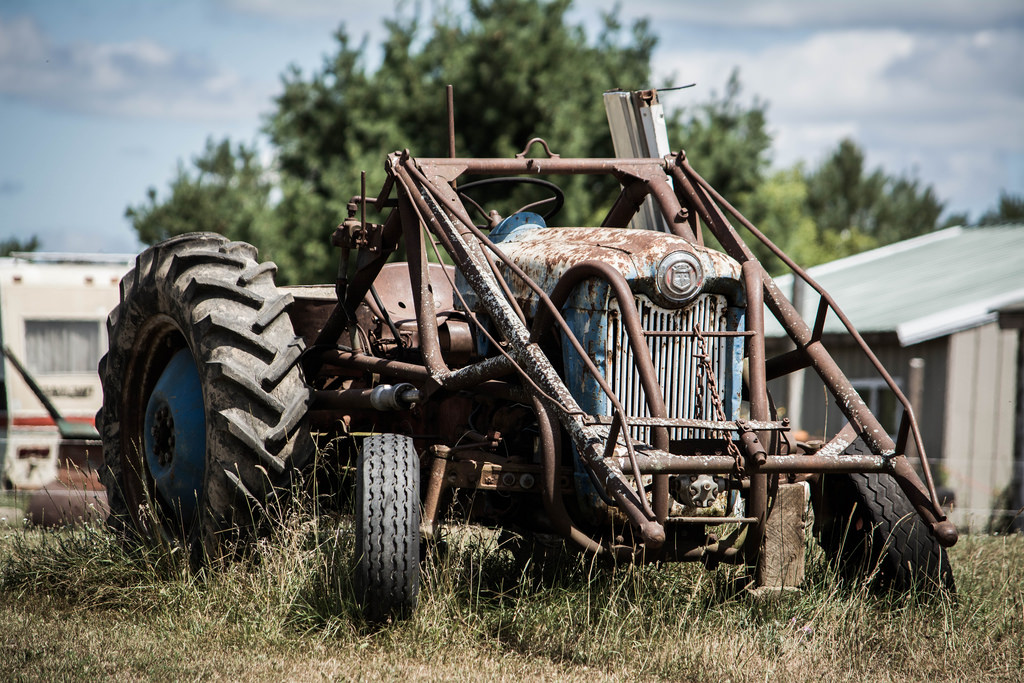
x,y
387,521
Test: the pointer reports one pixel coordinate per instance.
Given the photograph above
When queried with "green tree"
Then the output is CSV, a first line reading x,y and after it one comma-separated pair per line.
x,y
519,70
838,209
228,192
726,141
855,210
9,246
778,207
955,219
1010,209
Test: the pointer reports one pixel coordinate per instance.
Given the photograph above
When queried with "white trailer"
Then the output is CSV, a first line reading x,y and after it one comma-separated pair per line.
x,y
53,311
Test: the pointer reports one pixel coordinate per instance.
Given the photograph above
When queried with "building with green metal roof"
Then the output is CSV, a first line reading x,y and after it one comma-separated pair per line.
x,y
931,309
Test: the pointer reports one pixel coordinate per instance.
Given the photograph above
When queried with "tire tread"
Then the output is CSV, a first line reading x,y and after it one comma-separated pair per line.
x,y
216,292
387,527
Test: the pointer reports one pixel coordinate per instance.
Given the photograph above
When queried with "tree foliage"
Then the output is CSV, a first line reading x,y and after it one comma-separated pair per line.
x,y
12,245
862,208
1010,209
726,141
840,208
227,192
519,70
834,210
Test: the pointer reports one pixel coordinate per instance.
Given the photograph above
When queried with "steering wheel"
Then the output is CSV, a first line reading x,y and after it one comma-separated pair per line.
x,y
557,196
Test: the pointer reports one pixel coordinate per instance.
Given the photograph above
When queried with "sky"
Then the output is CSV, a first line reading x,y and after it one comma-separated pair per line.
x,y
101,100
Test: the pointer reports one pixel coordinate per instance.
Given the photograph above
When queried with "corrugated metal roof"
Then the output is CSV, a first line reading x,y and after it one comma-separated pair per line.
x,y
922,288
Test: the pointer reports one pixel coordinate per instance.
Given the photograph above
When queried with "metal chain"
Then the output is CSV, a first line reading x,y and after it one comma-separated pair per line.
x,y
710,383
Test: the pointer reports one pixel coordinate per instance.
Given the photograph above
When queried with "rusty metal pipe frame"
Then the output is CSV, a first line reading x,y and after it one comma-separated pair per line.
x,y
370,260
504,286
450,203
650,172
667,463
925,500
827,302
847,398
653,391
408,176
440,374
567,411
437,481
634,504
714,552
364,362
480,377
528,355
691,423
670,207
625,206
757,499
423,297
700,204
551,495
343,399
704,199
450,169
466,377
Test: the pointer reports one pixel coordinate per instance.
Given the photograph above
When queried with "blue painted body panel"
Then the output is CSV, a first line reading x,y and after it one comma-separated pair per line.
x,y
733,389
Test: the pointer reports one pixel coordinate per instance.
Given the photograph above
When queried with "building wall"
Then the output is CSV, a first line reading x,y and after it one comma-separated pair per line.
x,y
1018,447
820,415
980,422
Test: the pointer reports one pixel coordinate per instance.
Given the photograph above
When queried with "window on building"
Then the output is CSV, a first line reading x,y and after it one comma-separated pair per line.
x,y
881,402
62,346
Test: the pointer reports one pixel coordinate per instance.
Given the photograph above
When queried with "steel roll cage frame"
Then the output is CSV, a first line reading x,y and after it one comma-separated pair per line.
x,y
427,199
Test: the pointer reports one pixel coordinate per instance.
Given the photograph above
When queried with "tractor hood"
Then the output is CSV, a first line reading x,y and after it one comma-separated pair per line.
x,y
545,254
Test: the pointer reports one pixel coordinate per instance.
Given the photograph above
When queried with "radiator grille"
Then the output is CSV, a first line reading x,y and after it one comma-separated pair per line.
x,y
675,361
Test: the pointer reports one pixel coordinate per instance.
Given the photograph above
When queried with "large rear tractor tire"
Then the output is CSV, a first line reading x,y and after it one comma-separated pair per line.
x,y
387,521
204,404
866,522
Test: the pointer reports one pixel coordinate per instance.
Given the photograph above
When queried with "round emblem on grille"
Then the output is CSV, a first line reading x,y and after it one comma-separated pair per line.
x,y
680,276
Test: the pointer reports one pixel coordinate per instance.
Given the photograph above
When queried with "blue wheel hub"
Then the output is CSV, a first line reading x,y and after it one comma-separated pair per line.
x,y
174,436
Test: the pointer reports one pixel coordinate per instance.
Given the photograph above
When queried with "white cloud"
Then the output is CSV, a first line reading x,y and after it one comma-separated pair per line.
x,y
138,78
358,16
950,105
298,9
818,89
830,14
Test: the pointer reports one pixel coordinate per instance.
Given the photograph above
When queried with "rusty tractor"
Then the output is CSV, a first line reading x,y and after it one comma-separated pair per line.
x,y
603,385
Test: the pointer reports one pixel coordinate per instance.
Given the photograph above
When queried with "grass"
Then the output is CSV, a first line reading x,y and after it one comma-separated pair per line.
x,y
76,605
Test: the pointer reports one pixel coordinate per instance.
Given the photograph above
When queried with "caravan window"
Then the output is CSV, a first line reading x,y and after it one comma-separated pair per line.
x,y
62,346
